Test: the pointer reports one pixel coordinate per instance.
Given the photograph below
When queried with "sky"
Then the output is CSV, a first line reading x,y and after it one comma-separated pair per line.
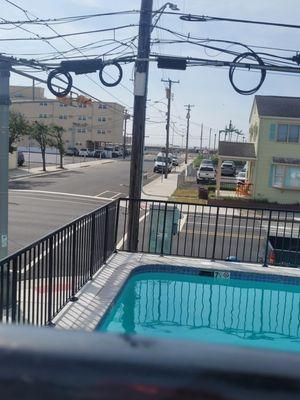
x,y
208,89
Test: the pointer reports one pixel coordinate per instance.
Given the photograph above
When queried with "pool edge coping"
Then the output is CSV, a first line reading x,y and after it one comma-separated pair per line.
x,y
97,296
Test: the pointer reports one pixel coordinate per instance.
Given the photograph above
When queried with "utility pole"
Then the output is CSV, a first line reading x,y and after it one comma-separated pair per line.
x,y
169,97
126,117
209,143
215,139
4,144
139,118
188,116
201,138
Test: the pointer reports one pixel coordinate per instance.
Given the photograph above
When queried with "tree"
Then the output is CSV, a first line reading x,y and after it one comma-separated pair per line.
x,y
57,141
42,135
18,127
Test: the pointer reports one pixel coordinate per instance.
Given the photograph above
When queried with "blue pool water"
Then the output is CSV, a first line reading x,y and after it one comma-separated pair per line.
x,y
235,312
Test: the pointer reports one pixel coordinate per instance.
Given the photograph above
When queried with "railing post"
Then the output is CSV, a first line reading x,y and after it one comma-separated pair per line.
x,y
14,292
92,249
74,263
50,282
164,229
215,236
105,234
265,264
117,225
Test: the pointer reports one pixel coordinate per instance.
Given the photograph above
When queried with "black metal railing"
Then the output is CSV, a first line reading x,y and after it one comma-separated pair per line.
x,y
265,236
37,281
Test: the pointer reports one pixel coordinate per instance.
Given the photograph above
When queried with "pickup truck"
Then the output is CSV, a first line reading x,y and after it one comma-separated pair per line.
x,y
206,173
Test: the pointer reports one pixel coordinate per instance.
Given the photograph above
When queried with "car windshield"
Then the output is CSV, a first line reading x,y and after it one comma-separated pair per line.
x,y
226,165
162,159
208,168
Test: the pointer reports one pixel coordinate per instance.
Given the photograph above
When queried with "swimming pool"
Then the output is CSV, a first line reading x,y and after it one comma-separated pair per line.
x,y
214,309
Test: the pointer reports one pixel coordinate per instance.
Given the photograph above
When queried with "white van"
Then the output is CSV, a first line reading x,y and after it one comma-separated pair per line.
x,y
160,163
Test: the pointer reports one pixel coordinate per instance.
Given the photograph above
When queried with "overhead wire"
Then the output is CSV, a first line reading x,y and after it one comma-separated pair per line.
x,y
69,43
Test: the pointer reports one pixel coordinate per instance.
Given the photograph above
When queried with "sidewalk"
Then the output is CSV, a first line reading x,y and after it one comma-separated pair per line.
x,y
20,173
161,188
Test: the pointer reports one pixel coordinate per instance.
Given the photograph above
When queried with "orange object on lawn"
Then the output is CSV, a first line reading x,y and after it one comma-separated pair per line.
x,y
243,189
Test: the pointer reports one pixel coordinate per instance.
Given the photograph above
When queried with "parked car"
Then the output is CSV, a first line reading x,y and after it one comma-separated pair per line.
x,y
72,151
160,163
175,161
228,168
21,158
244,169
84,153
98,154
206,173
241,177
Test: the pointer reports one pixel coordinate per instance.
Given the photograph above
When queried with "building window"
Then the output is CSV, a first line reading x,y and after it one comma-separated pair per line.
x,y
81,130
81,105
43,104
43,116
282,133
102,106
286,177
63,117
101,131
82,118
63,105
288,133
101,119
294,133
278,177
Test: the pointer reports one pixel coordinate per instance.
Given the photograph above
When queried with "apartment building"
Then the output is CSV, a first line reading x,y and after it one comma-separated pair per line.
x,y
275,133
86,125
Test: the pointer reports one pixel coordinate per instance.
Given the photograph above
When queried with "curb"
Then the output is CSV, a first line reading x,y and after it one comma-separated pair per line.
x,y
58,171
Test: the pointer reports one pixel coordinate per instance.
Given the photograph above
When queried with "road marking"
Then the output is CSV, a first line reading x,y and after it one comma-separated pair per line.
x,y
109,191
124,238
92,202
60,193
182,222
116,195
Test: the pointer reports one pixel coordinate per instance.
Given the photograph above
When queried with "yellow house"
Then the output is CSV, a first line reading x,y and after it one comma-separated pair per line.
x,y
275,133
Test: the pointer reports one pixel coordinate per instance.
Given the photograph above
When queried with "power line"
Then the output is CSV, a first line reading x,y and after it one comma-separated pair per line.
x,y
66,40
62,20
68,34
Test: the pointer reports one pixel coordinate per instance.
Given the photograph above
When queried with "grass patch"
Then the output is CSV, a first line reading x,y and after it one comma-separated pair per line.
x,y
187,196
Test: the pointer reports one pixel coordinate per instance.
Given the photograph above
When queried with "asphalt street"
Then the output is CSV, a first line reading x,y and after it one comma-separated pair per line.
x,y
41,204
